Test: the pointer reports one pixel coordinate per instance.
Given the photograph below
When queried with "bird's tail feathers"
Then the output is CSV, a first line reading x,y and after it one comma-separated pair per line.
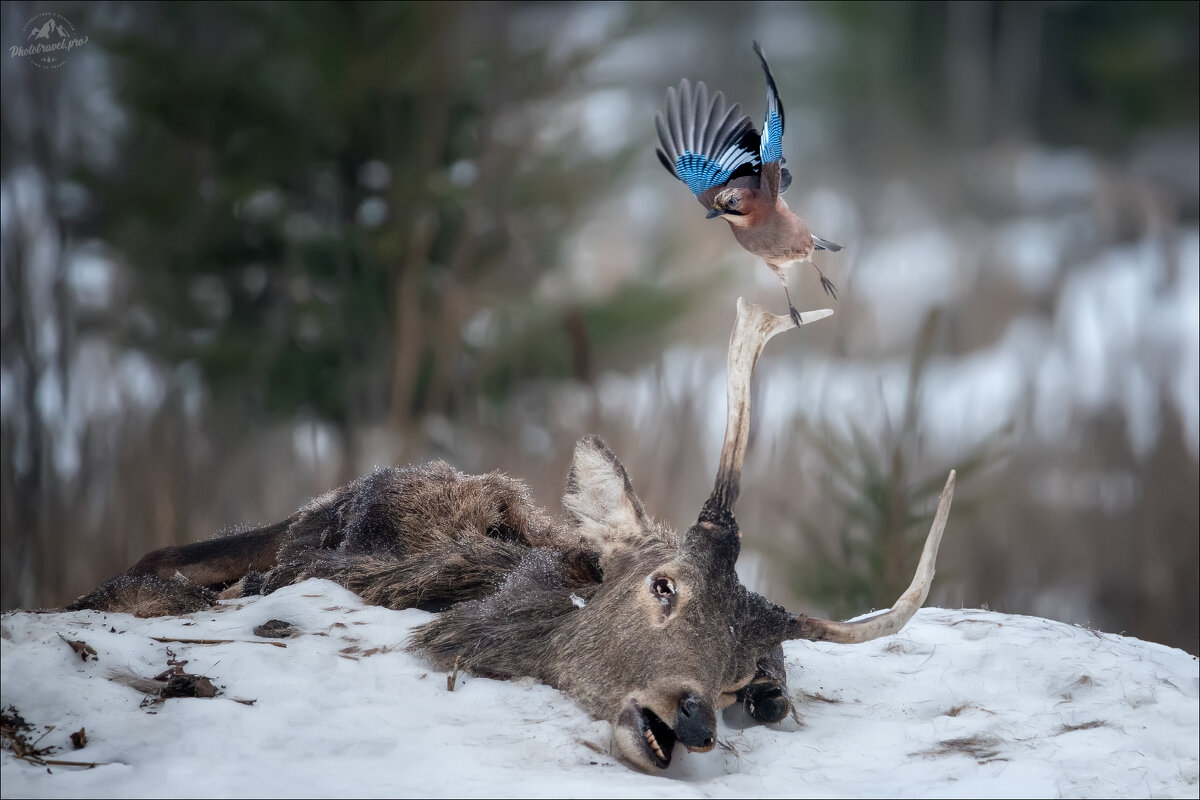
x,y
823,244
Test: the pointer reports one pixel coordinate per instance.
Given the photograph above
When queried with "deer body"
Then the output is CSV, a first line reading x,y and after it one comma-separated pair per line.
x,y
643,626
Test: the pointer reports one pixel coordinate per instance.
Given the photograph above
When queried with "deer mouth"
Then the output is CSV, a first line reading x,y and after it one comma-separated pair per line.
x,y
644,738
659,738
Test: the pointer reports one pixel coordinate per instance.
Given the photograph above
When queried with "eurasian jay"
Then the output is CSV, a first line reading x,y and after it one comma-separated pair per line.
x,y
738,174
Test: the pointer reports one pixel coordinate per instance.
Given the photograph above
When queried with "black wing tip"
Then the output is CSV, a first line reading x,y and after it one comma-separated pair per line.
x,y
772,89
666,162
762,57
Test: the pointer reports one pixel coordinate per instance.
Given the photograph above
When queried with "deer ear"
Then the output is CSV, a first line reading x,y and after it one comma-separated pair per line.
x,y
599,500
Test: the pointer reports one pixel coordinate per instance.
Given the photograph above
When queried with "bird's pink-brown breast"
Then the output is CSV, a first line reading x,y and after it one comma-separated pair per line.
x,y
775,235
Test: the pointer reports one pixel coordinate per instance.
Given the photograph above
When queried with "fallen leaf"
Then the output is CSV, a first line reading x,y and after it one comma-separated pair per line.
x,y
82,648
79,739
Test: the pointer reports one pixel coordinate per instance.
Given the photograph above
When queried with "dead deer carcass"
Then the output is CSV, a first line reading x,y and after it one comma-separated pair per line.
x,y
641,625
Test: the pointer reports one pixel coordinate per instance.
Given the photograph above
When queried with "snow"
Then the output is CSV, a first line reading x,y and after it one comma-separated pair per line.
x,y
960,703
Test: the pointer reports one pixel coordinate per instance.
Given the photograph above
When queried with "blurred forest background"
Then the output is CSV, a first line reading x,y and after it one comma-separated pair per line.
x,y
251,250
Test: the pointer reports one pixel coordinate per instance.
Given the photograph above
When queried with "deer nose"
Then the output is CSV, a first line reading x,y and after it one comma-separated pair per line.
x,y
696,723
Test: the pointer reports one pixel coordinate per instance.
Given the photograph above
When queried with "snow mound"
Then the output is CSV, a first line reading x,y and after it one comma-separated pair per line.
x,y
961,703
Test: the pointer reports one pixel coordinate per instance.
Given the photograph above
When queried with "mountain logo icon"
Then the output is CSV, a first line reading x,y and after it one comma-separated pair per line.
x,y
52,30
47,40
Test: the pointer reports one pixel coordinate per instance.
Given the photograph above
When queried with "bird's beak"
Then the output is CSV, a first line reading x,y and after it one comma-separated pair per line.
x,y
714,212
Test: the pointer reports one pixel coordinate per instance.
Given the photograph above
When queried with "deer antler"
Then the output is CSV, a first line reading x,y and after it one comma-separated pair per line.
x,y
755,326
799,626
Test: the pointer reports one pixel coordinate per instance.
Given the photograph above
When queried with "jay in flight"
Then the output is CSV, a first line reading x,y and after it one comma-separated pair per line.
x,y
738,173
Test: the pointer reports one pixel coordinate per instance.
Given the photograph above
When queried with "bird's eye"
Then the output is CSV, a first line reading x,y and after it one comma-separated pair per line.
x,y
734,202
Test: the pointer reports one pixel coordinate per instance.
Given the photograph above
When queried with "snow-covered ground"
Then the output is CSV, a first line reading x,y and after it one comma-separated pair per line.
x,y
961,703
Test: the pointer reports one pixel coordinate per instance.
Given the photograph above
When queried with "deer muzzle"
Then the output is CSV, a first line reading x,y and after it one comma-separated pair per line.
x,y
696,724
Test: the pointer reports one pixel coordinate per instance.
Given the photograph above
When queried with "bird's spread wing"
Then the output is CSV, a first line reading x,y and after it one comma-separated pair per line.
x,y
704,144
770,151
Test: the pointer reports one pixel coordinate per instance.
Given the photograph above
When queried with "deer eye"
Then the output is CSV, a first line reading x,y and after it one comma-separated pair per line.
x,y
663,588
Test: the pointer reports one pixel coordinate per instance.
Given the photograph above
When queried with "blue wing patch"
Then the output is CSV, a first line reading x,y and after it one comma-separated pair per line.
x,y
771,144
771,148
700,172
703,143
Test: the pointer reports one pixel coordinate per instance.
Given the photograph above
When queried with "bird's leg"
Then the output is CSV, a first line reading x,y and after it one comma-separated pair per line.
x,y
826,284
791,307
778,269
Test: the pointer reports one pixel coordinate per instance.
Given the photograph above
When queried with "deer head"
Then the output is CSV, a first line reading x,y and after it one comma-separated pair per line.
x,y
645,627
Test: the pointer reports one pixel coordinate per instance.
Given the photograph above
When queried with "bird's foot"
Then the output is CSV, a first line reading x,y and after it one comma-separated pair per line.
x,y
828,286
795,315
